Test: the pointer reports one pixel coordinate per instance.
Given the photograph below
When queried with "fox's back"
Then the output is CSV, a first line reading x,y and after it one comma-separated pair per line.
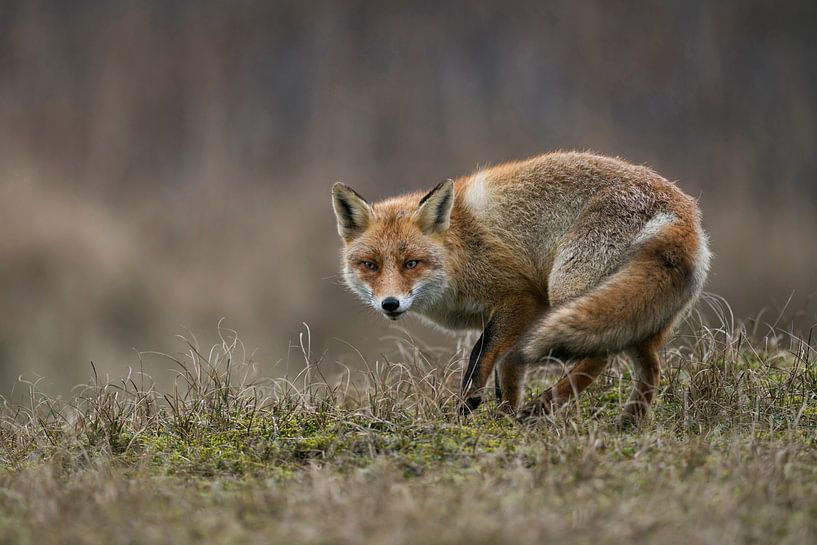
x,y
539,206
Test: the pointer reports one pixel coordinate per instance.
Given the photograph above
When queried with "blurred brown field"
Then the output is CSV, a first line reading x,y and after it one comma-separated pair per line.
x,y
166,164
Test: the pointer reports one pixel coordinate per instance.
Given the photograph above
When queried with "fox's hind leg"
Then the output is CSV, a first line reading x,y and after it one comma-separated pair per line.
x,y
572,384
647,377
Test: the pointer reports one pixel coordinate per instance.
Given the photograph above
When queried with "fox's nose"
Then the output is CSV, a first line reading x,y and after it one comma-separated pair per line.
x,y
390,304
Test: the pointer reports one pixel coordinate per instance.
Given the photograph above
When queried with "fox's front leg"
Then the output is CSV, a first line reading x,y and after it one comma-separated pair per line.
x,y
475,376
500,337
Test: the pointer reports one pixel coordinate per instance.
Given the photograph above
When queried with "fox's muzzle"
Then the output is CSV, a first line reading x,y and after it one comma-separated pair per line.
x,y
394,307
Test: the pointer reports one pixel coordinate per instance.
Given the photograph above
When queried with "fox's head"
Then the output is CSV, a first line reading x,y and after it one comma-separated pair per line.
x,y
394,254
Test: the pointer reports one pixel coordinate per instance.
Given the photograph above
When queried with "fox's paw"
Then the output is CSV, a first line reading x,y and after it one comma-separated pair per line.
x,y
506,408
536,409
469,403
533,412
633,414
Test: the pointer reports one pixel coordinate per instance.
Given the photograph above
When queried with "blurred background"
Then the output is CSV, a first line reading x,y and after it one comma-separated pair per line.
x,y
166,164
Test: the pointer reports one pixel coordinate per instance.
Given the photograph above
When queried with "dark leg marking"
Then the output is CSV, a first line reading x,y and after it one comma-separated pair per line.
x,y
480,348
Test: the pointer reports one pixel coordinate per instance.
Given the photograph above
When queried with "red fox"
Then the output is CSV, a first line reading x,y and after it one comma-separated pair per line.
x,y
565,255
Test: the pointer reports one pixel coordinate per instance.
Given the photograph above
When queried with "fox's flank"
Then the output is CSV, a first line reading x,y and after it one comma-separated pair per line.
x,y
571,256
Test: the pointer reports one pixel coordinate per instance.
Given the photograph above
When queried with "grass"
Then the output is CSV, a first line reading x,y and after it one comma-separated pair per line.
x,y
729,454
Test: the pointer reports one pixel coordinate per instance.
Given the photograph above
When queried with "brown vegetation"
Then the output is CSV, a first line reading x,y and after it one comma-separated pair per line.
x,y
381,456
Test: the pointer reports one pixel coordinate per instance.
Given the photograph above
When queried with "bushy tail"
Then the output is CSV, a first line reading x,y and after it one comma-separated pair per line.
x,y
661,277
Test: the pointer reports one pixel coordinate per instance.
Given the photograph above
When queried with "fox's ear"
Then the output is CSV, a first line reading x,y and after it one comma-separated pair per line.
x,y
434,213
352,211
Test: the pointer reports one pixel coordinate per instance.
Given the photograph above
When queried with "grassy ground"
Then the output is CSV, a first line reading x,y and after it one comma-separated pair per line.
x,y
729,455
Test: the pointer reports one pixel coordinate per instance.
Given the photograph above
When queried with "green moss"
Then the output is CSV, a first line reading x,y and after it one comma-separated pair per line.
x,y
273,445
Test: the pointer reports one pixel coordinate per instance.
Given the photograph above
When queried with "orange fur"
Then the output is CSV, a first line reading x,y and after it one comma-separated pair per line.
x,y
565,254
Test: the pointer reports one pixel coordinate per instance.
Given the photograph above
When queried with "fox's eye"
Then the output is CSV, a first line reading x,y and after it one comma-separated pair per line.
x,y
371,265
411,263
